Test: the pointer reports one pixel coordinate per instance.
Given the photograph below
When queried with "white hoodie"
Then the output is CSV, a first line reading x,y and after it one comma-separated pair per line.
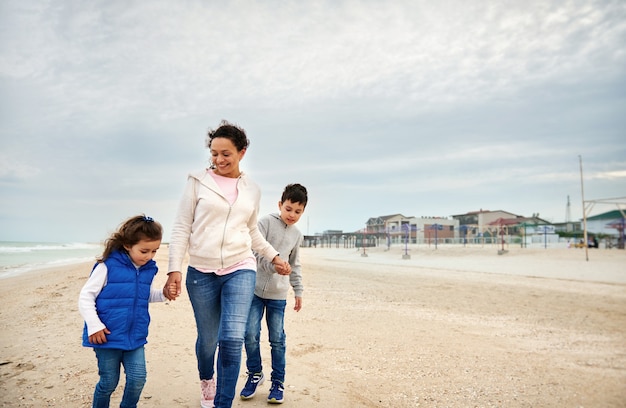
x,y
215,233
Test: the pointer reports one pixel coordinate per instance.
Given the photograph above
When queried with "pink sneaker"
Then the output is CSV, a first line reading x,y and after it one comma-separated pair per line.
x,y
207,388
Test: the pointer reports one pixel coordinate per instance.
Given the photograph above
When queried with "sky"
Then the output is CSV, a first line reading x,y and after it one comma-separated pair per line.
x,y
412,107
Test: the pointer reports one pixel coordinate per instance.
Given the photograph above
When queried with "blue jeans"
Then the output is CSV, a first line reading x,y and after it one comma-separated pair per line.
x,y
275,319
221,305
109,361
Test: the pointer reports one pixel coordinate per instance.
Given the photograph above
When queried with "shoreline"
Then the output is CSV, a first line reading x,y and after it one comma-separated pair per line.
x,y
17,271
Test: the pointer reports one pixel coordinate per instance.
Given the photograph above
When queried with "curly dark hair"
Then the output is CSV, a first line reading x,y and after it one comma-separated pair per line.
x,y
296,193
231,132
130,232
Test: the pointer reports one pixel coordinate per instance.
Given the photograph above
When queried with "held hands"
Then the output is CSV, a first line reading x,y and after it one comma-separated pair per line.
x,y
99,337
171,290
282,267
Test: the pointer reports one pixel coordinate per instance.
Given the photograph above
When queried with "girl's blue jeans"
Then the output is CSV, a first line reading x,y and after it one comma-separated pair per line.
x,y
109,363
275,319
221,305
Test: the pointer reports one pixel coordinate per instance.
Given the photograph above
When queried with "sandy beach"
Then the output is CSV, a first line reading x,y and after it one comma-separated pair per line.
x,y
451,327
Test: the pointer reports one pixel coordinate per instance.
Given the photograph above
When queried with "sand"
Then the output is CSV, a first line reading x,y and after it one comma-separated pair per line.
x,y
451,327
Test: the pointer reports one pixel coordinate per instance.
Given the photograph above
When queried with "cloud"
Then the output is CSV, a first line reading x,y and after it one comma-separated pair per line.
x,y
388,104
611,175
12,170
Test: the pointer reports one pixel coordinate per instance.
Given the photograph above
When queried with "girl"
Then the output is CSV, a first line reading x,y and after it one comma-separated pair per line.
x,y
216,225
114,304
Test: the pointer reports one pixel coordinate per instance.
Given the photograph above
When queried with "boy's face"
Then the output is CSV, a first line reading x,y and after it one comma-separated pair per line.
x,y
290,212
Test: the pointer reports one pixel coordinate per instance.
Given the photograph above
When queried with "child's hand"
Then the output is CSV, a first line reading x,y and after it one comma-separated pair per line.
x,y
170,291
298,304
99,337
283,269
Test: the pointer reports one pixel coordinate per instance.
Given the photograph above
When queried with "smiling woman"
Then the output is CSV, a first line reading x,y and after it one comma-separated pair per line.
x,y
227,150
217,225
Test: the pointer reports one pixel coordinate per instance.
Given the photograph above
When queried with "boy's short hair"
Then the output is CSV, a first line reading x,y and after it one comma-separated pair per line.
x,y
296,193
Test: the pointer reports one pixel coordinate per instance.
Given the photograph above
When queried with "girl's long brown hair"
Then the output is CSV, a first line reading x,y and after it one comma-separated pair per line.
x,y
131,232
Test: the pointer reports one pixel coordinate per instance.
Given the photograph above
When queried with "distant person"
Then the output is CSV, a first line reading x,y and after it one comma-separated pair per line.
x,y
271,291
216,225
114,303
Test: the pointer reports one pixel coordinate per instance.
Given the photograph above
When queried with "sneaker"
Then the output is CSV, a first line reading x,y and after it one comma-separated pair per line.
x,y
253,381
276,393
207,388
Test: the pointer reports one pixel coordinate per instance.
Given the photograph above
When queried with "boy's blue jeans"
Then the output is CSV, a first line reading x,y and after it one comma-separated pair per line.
x,y
109,362
221,305
275,318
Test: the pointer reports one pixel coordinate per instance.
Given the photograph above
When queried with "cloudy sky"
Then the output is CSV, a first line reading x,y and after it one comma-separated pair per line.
x,y
378,107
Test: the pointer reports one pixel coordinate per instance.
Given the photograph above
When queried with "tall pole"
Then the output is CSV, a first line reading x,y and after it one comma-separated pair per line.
x,y
582,193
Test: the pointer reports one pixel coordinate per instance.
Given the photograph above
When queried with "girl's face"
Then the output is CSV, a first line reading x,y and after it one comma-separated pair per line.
x,y
143,251
225,157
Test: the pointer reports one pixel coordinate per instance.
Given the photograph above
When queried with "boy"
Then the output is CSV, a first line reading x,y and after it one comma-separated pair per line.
x,y
270,293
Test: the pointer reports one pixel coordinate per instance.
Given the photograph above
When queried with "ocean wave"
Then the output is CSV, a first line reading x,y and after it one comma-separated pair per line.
x,y
20,257
12,248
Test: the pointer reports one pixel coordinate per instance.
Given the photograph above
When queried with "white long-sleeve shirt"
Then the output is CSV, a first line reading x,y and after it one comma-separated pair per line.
x,y
91,290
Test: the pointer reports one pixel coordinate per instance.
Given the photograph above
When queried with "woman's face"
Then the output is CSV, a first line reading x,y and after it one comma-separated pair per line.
x,y
225,157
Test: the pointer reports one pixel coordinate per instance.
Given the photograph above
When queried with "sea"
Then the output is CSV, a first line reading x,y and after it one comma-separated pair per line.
x,y
17,258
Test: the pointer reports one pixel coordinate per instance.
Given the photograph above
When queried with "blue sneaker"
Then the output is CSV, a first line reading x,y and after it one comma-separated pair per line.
x,y
276,393
253,381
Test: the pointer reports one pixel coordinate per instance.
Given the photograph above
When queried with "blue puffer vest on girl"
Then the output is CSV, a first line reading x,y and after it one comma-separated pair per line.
x,y
122,304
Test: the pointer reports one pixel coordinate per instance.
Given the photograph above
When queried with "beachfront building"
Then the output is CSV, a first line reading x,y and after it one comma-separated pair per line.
x,y
478,222
391,228
611,224
607,223
570,227
397,228
440,229
485,225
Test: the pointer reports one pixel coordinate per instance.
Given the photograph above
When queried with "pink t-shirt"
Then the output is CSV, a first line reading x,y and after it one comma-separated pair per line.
x,y
228,185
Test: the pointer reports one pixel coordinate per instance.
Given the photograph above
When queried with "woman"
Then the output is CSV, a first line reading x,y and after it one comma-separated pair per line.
x,y
216,224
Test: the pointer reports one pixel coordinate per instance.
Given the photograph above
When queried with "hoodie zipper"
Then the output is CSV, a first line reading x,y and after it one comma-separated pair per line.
x,y
230,208
271,276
